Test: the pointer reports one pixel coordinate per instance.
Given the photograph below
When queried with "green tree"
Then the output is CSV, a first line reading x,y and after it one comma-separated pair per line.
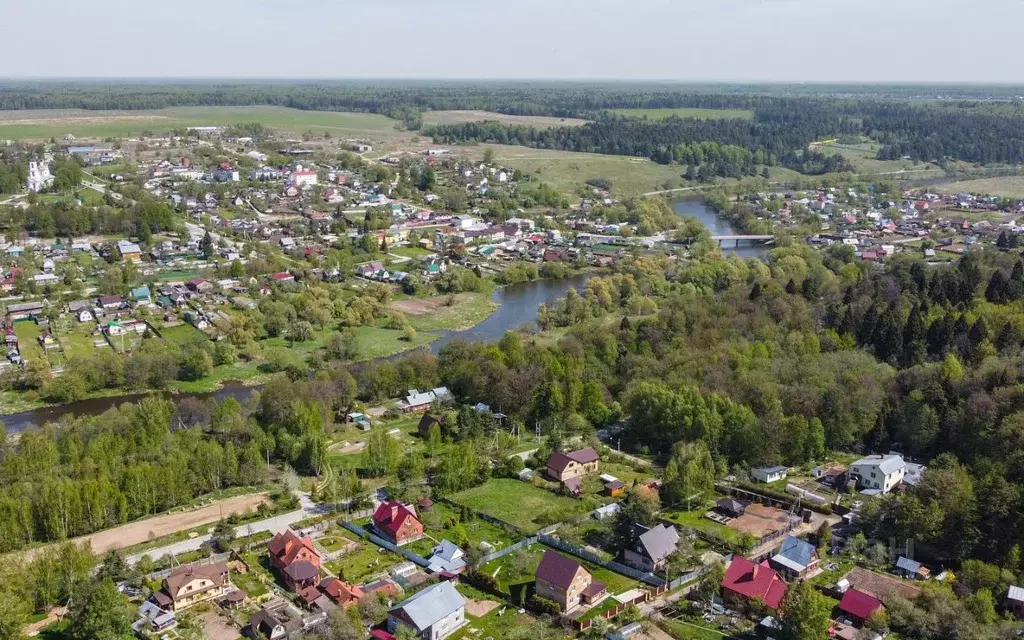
x,y
689,475
806,614
206,246
99,614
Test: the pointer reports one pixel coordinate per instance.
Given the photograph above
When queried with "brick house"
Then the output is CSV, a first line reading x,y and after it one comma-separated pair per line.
x,y
297,561
397,522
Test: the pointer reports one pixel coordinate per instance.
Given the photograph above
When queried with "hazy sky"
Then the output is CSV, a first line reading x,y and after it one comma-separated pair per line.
x,y
786,40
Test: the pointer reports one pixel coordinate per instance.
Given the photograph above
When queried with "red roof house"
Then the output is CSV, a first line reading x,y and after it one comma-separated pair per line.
x,y
296,559
342,593
398,522
859,605
744,579
283,276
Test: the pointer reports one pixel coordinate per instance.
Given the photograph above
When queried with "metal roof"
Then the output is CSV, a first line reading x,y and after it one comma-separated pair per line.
x,y
431,605
660,542
1016,593
795,553
908,565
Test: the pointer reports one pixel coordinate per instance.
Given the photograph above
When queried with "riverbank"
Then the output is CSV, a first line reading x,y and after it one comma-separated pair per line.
x,y
484,317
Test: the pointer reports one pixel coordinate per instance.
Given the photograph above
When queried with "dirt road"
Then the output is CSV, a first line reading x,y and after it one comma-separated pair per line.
x,y
138,532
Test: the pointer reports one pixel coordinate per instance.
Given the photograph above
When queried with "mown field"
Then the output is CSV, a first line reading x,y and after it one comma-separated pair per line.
x,y
685,112
458,117
45,123
862,156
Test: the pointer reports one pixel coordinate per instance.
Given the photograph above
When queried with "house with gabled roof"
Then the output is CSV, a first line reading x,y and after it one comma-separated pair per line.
x,y
745,580
397,522
878,473
341,593
652,548
448,557
566,582
296,560
432,614
574,464
796,558
858,605
191,584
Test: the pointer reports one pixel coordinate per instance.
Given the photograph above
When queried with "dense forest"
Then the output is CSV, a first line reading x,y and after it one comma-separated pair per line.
x,y
971,128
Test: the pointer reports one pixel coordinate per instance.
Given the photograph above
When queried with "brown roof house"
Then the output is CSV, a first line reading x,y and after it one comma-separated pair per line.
x,y
298,562
192,584
575,464
566,582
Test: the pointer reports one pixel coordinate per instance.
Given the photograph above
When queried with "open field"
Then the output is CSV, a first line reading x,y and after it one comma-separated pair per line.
x,y
367,561
520,504
685,112
695,520
1004,187
457,117
862,157
435,314
568,170
45,123
163,525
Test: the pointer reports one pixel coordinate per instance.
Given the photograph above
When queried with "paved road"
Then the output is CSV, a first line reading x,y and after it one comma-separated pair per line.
x,y
276,524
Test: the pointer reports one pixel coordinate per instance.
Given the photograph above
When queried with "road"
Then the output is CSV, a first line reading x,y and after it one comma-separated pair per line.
x,y
276,524
657,193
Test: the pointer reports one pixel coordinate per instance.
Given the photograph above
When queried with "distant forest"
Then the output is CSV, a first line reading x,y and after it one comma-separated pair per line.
x,y
973,124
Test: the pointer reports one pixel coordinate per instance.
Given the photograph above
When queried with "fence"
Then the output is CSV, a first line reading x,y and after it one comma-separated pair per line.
x,y
386,544
508,526
608,614
494,555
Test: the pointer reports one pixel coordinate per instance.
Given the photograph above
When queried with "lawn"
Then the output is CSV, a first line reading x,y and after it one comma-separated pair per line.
x,y
475,530
523,505
377,342
334,541
79,342
182,334
517,570
689,631
47,123
367,561
28,333
686,112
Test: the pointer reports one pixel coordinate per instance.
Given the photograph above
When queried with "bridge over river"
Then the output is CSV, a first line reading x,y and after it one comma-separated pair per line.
x,y
737,238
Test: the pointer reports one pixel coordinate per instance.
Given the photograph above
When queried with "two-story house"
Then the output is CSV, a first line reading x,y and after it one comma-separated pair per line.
x,y
298,562
432,614
574,464
881,473
652,548
566,582
397,522
192,584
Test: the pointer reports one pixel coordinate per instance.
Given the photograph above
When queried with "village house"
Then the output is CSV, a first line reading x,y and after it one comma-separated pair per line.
x,y
769,474
1015,601
744,580
447,558
859,606
796,558
566,582
417,401
341,593
574,464
298,563
652,548
878,473
397,522
129,251
432,614
191,584
911,569
111,303
153,619
24,311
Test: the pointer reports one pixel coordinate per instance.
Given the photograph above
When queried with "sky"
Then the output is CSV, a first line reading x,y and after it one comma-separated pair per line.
x,y
936,41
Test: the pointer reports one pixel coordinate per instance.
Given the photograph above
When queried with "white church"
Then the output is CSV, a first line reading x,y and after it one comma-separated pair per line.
x,y
39,176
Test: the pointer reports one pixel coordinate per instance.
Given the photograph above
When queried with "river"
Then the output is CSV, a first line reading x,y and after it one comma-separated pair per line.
x,y
718,226
518,308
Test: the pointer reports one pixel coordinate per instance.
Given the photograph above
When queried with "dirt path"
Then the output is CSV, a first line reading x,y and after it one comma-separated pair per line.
x,y
164,525
480,608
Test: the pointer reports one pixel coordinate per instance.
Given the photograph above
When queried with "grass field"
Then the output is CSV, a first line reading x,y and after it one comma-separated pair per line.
x,y
45,123
696,520
369,560
457,117
686,112
519,503
1004,187
431,314
568,170
862,156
